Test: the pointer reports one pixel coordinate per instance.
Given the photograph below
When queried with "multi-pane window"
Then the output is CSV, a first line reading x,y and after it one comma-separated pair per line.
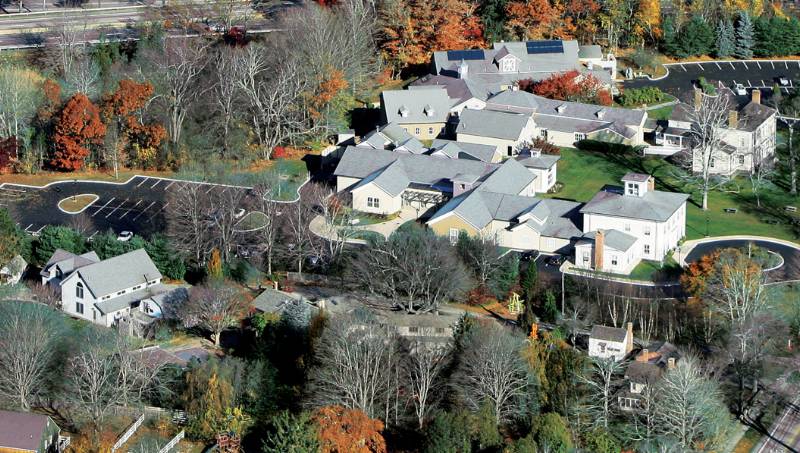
x,y
647,249
373,202
647,231
454,235
580,136
79,308
79,290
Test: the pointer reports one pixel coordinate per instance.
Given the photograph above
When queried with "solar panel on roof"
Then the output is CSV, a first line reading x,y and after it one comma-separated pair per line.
x,y
541,47
465,55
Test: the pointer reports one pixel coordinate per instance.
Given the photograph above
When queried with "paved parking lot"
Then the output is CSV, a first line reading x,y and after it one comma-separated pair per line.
x,y
751,74
138,205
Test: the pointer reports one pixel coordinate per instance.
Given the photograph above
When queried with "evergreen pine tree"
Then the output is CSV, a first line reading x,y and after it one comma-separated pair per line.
x,y
668,38
744,36
725,39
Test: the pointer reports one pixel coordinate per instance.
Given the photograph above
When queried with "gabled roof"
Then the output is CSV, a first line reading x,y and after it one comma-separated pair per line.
x,y
68,261
393,179
613,239
540,161
124,301
22,430
272,300
118,273
490,123
511,178
606,333
423,106
462,150
458,90
653,205
590,51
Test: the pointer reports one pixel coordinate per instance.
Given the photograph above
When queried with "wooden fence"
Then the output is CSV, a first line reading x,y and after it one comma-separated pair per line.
x,y
173,442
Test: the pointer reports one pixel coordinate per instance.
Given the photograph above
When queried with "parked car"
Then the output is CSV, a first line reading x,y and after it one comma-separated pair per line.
x,y
125,236
739,89
555,260
529,255
783,81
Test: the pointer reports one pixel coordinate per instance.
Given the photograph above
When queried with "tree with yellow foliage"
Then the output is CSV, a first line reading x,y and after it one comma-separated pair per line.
x,y
648,19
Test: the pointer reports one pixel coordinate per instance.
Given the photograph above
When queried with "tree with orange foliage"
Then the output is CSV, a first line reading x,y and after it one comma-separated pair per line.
x,y
648,19
456,25
77,128
697,273
533,19
343,430
331,84
580,16
570,86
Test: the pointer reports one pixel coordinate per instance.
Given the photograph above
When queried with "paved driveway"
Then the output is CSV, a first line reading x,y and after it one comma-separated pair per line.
x,y
790,270
138,205
751,74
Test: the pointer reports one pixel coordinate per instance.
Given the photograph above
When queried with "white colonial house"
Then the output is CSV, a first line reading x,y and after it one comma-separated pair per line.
x,y
611,342
650,221
123,288
607,251
748,136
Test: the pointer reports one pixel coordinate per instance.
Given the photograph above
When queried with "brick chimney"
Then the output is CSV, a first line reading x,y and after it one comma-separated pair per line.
x,y
671,363
629,339
651,184
643,356
698,98
755,96
733,119
599,245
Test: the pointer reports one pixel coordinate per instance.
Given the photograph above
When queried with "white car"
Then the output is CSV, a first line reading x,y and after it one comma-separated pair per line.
x,y
125,236
739,89
783,81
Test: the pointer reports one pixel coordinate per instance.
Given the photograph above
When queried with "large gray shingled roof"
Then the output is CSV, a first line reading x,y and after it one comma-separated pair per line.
x,y
490,123
118,273
606,333
22,430
653,205
614,239
423,106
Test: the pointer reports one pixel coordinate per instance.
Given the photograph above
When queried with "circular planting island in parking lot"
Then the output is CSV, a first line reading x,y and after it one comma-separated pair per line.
x,y
252,221
78,203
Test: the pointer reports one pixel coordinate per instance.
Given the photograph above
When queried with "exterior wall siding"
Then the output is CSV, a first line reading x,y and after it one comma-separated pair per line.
x,y
386,203
424,131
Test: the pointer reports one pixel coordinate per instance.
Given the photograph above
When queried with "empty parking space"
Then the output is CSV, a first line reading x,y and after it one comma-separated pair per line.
x,y
139,205
762,75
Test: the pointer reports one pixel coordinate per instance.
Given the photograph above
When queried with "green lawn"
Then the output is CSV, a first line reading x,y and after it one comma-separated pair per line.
x,y
285,176
584,173
662,113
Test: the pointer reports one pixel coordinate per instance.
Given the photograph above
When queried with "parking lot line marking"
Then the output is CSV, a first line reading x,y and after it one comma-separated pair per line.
x,y
98,211
129,210
143,181
159,211
26,228
170,185
145,209
765,85
773,64
701,66
718,66
115,209
682,67
732,66
90,237
759,65
745,65
39,230
786,64
154,185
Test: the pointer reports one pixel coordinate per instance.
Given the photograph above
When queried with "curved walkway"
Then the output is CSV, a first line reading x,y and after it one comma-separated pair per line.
x,y
319,227
693,250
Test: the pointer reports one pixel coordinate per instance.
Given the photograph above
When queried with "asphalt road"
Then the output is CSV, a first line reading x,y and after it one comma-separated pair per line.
x,y
752,74
784,435
790,270
139,205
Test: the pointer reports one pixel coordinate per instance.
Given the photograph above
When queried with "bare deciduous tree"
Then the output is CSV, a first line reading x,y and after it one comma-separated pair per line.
x,y
708,117
354,365
187,221
415,269
225,218
29,334
273,86
337,217
213,306
300,240
266,237
225,93
423,365
177,69
491,371
602,382
19,96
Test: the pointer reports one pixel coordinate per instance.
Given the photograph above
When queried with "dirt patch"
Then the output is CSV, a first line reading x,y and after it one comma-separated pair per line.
x,y
77,203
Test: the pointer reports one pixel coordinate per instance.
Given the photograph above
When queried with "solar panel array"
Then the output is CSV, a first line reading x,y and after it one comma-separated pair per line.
x,y
465,55
539,47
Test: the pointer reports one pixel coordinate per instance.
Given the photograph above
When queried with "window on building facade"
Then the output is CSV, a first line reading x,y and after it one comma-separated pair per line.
x,y
416,131
585,257
741,159
627,227
79,290
580,136
613,260
454,235
373,202
79,308
711,162
647,249
633,189
430,130
647,231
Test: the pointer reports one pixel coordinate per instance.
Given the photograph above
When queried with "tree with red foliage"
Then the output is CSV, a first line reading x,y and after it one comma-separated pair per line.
x,y
77,127
343,430
569,86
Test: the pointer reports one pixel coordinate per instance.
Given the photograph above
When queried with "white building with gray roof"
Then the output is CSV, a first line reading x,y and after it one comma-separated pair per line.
x,y
107,291
508,132
421,113
656,218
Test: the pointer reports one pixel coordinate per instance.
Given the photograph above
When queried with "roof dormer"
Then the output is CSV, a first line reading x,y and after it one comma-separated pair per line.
x,y
638,184
428,110
601,113
561,109
506,61
403,111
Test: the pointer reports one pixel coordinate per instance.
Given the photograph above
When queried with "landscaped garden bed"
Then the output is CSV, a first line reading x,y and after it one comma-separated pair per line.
x,y
78,203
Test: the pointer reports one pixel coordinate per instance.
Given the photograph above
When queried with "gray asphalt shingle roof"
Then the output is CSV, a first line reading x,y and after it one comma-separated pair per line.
x,y
590,51
511,178
490,123
653,205
461,150
540,161
68,261
118,273
614,239
272,300
523,101
423,106
458,90
606,333
22,430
